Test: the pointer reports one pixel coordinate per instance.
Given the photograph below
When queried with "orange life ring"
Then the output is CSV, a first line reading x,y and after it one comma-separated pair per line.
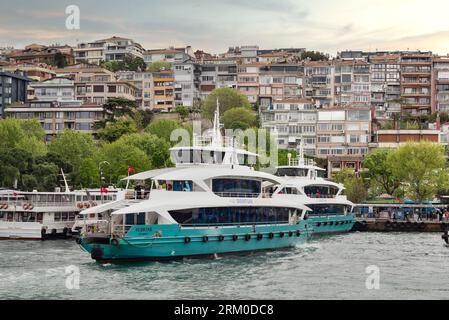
x,y
86,205
25,206
30,207
79,205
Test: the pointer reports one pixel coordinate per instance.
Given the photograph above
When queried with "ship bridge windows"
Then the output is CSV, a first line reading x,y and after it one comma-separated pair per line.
x,y
292,172
178,185
289,190
189,156
236,187
234,215
321,191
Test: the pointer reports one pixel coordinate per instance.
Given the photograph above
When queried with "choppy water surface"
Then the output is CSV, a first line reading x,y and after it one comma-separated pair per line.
x,y
412,266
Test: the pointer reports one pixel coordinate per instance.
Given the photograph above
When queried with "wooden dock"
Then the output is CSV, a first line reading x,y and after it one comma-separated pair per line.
x,y
387,225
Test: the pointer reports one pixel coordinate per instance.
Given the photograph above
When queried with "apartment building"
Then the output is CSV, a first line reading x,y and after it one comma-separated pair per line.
x,y
352,82
143,82
440,84
56,117
396,138
217,73
416,75
111,49
343,136
187,83
292,120
244,54
97,88
35,72
163,91
248,80
278,82
385,71
319,82
35,53
58,89
171,55
13,89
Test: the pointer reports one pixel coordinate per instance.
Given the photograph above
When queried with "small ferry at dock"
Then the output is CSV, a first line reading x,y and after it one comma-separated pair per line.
x,y
331,211
207,206
45,215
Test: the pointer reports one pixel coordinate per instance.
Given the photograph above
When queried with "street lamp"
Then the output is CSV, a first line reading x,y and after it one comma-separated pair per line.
x,y
101,171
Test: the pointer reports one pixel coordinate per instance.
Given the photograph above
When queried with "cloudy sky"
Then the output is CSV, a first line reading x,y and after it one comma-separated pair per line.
x,y
214,25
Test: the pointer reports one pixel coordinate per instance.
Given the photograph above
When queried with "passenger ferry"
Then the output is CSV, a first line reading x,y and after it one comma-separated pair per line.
x,y
45,215
331,211
207,206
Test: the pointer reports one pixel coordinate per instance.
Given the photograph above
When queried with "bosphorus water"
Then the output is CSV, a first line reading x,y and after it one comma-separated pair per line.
x,y
411,265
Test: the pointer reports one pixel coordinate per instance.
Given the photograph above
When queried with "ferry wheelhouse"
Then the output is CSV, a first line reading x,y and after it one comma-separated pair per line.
x,y
331,211
208,205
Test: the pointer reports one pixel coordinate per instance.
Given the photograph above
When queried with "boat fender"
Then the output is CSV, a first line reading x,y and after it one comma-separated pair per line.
x,y
43,231
187,239
298,233
53,231
318,224
78,240
290,234
271,235
220,238
247,237
114,242
259,236
235,237
65,230
281,234
205,239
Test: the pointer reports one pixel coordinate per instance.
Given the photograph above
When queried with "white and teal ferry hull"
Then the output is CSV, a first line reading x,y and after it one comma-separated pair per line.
x,y
331,224
172,242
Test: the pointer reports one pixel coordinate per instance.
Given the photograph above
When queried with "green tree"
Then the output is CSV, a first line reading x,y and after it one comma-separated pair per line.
x,y
239,118
283,156
89,174
11,133
143,118
118,107
314,56
163,129
72,147
355,187
419,167
228,98
380,172
60,60
121,155
182,111
157,149
114,130
33,128
159,66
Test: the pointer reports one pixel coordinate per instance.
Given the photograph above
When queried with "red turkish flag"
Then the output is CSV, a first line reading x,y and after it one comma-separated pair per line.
x,y
131,169
103,190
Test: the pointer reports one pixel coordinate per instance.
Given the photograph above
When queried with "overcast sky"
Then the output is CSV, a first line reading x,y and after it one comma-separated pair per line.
x,y
212,25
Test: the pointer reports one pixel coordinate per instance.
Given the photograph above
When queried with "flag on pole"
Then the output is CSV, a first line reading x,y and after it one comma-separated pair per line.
x,y
103,190
131,169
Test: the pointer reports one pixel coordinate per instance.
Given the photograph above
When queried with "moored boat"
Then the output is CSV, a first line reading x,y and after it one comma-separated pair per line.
x,y
331,212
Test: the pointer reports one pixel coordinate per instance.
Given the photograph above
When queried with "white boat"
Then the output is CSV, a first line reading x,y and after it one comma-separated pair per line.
x,y
45,215
208,205
331,211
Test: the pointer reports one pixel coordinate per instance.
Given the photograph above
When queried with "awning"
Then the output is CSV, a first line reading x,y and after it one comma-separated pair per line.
x,y
149,174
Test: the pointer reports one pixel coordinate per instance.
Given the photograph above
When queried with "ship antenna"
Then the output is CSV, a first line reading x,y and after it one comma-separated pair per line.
x,y
216,137
66,185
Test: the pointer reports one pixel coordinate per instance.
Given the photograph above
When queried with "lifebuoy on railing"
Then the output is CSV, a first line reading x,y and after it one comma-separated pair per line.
x,y
30,207
25,206
79,205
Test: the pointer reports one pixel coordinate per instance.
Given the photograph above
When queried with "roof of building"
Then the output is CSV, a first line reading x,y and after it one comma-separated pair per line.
x,y
14,75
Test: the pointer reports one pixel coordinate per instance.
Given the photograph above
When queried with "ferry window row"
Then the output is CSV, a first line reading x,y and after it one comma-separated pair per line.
x,y
328,209
236,187
233,215
321,191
